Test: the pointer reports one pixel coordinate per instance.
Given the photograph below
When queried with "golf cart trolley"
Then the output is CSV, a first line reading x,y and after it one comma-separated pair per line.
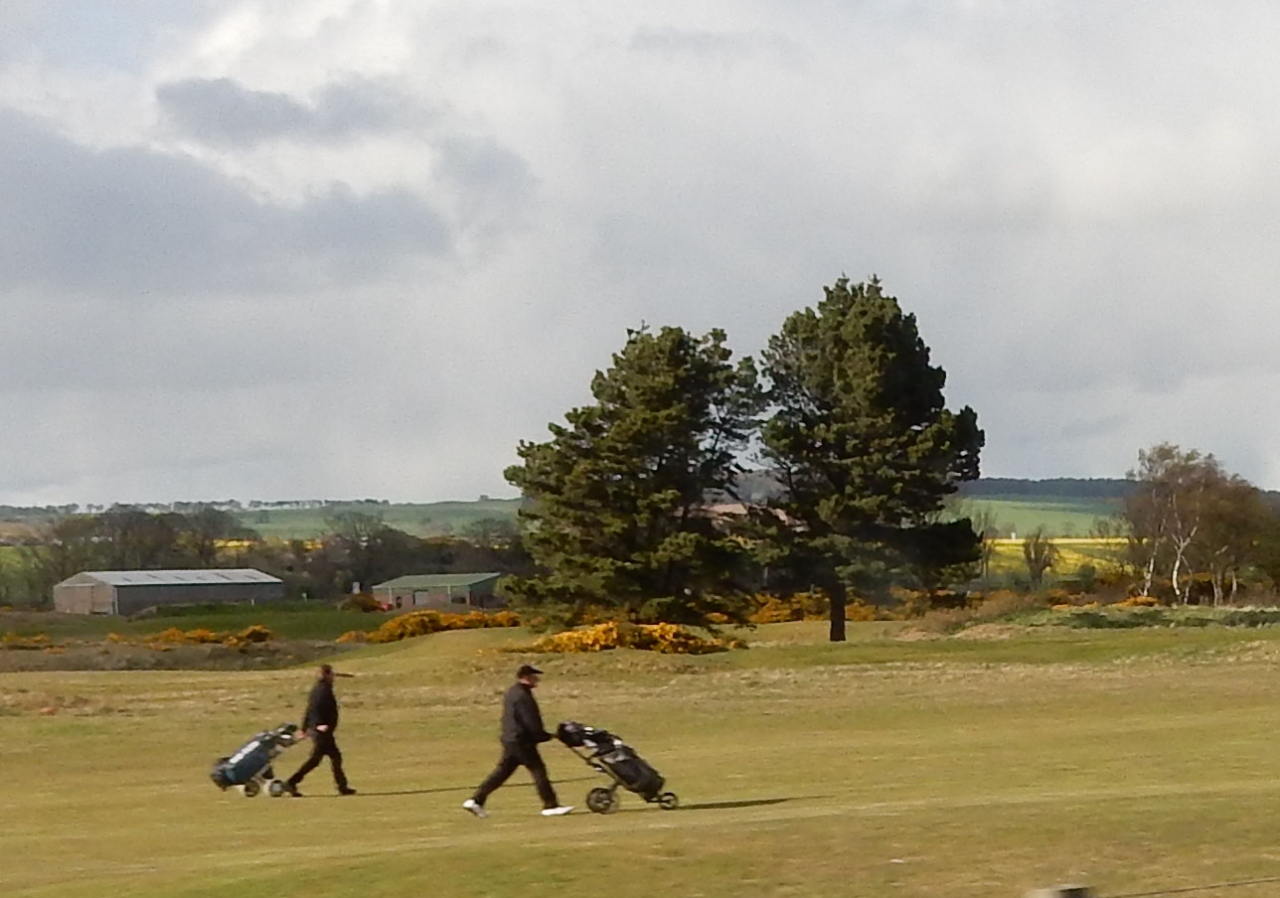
x,y
615,759
249,769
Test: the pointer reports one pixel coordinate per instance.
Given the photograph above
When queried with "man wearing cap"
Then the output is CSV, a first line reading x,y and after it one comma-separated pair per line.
x,y
319,724
522,730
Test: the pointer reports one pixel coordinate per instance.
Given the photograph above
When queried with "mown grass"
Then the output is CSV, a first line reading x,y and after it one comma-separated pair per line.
x,y
1133,760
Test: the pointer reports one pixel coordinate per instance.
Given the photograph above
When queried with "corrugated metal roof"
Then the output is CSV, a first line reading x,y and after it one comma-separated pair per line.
x,y
181,577
435,581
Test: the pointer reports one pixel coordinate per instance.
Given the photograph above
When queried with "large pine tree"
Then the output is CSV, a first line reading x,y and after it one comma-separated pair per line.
x,y
616,513
865,449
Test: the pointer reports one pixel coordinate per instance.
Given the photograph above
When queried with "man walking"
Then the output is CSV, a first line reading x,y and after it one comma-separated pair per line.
x,y
319,724
522,730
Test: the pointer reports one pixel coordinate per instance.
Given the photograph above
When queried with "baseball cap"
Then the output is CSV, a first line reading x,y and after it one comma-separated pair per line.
x,y
526,669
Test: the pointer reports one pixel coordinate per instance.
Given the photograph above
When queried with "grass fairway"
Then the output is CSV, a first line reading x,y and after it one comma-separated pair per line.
x,y
1131,760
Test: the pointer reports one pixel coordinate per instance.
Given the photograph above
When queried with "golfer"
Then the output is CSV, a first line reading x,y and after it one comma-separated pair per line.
x,y
319,724
522,730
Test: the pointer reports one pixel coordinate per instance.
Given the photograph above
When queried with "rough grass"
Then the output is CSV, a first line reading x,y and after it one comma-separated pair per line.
x,y
1132,760
320,621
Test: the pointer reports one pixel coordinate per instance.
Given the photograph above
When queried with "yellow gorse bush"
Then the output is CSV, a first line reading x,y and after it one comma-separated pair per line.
x,y
256,633
1138,602
810,606
671,639
14,641
424,623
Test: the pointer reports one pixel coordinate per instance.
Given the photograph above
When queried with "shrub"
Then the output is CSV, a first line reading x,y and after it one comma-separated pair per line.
x,y
171,636
255,633
424,623
1001,605
1250,617
671,639
776,611
1137,602
858,611
28,643
361,602
798,606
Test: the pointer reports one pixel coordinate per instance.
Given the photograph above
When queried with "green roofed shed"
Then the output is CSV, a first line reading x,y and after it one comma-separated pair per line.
x,y
442,591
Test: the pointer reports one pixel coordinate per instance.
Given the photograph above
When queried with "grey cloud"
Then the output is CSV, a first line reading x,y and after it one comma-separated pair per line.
x,y
493,182
222,112
136,220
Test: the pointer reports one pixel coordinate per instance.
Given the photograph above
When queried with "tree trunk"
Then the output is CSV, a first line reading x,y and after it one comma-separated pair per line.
x,y
837,597
1149,573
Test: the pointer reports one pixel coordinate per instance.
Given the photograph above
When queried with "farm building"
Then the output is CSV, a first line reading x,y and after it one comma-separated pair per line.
x,y
128,592
441,591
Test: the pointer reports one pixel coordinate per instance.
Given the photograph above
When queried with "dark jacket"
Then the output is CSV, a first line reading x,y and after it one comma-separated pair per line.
x,y
322,707
521,719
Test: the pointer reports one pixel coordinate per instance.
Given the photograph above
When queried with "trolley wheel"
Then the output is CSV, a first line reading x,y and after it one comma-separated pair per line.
x,y
275,788
602,801
668,801
252,788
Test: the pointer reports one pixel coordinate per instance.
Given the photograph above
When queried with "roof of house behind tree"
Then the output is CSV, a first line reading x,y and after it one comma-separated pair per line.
x,y
181,577
436,581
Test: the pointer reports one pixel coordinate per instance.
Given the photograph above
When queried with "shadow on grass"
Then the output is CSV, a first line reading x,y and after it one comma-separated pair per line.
x,y
647,807
470,788
728,805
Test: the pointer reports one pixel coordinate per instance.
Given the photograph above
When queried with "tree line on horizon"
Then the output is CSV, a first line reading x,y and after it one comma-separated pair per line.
x,y
836,442
358,550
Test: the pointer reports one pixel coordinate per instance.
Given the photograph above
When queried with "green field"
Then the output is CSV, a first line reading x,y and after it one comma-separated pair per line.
x,y
1058,516
1021,514
1130,760
420,519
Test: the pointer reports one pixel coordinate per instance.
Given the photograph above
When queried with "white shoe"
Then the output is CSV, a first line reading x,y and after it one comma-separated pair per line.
x,y
477,809
557,812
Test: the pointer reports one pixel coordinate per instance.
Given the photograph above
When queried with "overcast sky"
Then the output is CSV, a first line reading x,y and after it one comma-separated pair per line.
x,y
346,248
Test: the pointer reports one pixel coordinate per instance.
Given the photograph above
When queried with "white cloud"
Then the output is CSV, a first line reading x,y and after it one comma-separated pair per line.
x,y
362,247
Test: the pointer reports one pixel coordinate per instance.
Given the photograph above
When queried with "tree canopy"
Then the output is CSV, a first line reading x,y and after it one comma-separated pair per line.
x,y
616,517
865,449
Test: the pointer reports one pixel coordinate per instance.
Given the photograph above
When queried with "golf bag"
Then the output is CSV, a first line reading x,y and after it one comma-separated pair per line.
x,y
250,767
608,754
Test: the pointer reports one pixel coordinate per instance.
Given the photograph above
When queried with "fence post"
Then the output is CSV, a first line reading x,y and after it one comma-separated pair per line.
x,y
1062,892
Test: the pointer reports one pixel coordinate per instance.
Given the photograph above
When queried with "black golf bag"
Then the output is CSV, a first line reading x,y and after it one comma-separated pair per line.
x,y
608,754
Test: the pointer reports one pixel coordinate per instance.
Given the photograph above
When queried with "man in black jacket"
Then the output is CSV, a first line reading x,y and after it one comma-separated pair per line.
x,y
320,722
522,730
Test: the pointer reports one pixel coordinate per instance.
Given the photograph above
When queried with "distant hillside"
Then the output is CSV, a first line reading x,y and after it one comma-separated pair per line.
x,y
756,486
1055,487
420,519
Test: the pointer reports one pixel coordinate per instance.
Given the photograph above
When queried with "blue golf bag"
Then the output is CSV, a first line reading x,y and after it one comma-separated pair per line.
x,y
249,769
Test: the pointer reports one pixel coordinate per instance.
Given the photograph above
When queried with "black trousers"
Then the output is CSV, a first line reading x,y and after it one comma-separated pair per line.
x,y
519,754
323,745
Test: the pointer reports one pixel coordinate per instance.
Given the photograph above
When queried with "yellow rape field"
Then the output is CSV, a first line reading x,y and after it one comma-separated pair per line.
x,y
1104,554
